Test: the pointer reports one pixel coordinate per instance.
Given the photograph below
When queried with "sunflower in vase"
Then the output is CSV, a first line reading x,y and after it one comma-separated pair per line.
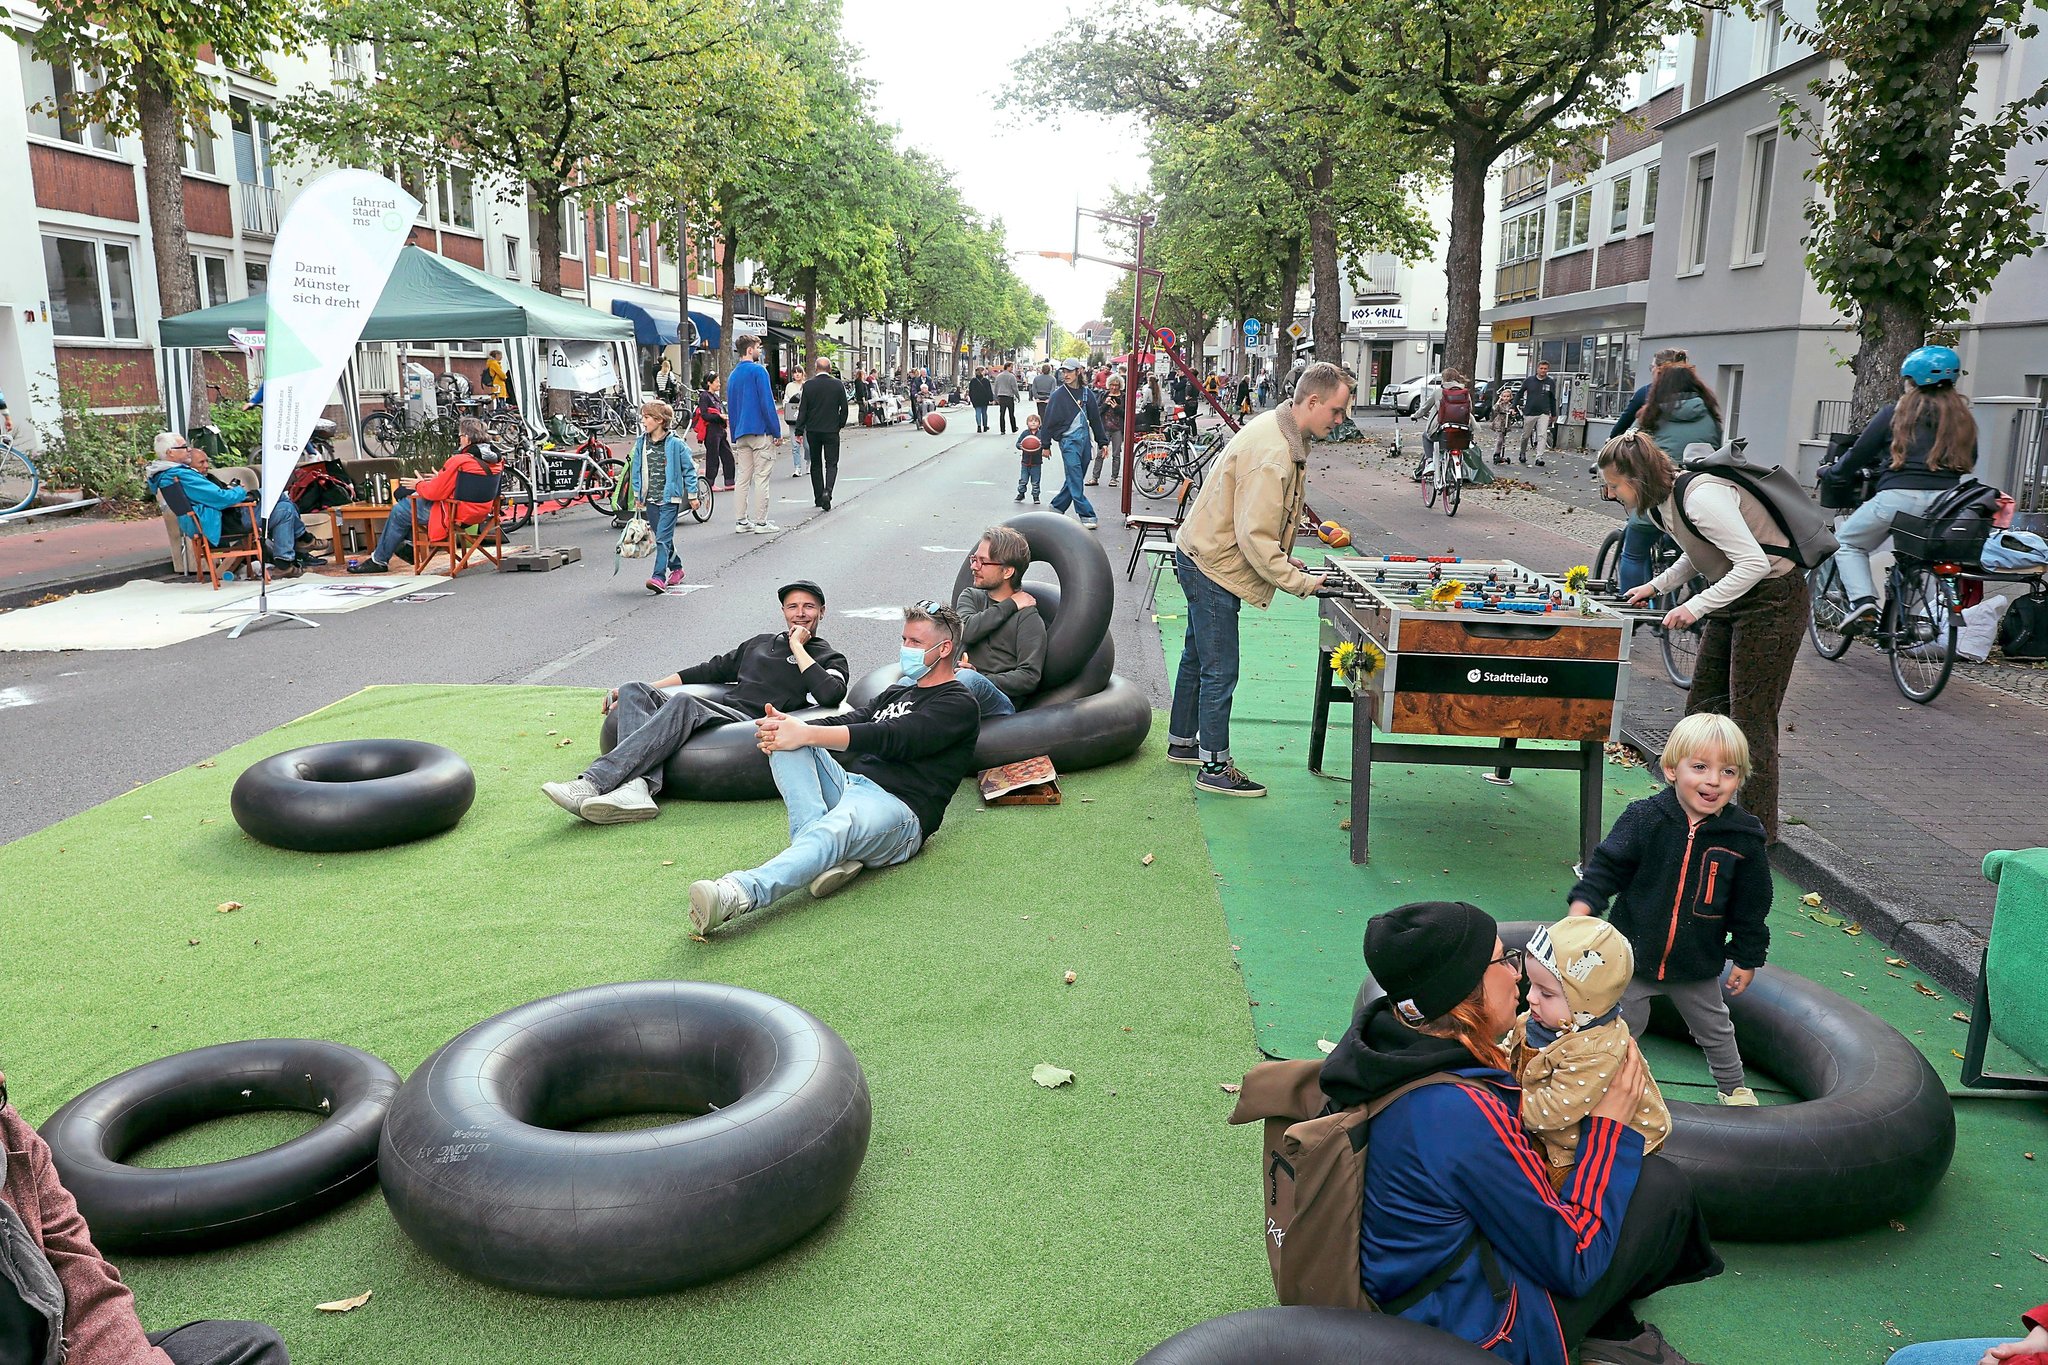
x,y
1575,580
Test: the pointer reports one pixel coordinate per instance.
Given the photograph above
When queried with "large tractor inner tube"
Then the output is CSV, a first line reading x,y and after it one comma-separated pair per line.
x,y
1087,591
480,1170
719,764
1313,1336
185,1208
353,794
1869,1139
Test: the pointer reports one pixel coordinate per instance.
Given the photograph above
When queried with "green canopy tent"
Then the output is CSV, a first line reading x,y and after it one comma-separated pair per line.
x,y
428,298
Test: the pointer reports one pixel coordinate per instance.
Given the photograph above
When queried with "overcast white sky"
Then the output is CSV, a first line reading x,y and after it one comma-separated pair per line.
x,y
939,85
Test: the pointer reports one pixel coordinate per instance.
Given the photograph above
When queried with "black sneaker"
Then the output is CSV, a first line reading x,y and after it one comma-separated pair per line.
x,y
1646,1347
1183,753
1861,613
1229,782
368,566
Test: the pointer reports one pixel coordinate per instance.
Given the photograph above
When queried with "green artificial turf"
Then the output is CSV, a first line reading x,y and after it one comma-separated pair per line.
x,y
993,1220
1965,1264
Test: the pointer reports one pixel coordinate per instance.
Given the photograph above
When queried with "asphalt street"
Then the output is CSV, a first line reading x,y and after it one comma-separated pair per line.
x,y
909,506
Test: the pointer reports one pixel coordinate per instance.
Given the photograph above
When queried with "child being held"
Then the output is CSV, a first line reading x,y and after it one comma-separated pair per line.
x,y
1027,473
1691,887
1567,1048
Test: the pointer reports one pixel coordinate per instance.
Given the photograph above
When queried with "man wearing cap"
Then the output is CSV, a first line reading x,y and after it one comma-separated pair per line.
x,y
1461,1227
1073,419
783,671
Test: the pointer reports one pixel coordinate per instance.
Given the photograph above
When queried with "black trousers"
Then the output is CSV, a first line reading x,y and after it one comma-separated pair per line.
x,y
221,1343
651,727
1663,1242
1006,414
824,447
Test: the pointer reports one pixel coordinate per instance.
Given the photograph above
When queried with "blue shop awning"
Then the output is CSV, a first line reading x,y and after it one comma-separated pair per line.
x,y
707,329
648,330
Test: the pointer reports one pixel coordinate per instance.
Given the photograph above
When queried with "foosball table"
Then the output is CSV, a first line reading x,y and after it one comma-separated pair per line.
x,y
1485,651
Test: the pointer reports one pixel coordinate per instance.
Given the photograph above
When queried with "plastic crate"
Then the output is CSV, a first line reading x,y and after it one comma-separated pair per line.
x,y
1944,540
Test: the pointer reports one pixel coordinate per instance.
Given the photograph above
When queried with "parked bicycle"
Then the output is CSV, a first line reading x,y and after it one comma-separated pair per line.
x,y
1172,456
20,481
586,471
391,432
1681,648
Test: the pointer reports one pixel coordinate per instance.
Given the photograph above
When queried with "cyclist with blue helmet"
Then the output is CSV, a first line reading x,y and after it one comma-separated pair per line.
x,y
1921,447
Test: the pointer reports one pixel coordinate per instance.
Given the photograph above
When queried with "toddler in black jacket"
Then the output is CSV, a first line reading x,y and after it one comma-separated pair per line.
x,y
1690,886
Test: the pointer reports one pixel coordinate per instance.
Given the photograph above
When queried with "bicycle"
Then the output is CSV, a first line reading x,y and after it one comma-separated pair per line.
x,y
390,432
20,481
1681,647
1172,456
1916,629
586,471
1448,481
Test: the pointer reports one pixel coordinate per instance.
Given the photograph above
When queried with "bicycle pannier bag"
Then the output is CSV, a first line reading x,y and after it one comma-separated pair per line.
x,y
2024,632
1952,530
1808,531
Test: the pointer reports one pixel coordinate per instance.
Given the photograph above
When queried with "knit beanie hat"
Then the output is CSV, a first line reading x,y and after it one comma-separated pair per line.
x,y
1590,958
1429,955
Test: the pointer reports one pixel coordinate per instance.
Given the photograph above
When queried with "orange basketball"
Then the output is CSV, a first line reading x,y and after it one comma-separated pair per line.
x,y
1028,443
934,422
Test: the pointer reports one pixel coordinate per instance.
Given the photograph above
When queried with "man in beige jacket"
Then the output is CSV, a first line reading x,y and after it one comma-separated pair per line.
x,y
1236,546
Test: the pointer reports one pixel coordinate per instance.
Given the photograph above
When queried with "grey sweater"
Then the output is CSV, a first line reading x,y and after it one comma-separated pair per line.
x,y
1006,645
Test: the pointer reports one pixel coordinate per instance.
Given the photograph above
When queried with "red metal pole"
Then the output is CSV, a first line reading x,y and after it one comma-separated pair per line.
x,y
1138,330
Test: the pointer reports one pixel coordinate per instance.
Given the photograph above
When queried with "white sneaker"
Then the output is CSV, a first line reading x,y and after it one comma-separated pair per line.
x,y
742,527
833,879
714,903
623,806
765,528
570,795
1741,1097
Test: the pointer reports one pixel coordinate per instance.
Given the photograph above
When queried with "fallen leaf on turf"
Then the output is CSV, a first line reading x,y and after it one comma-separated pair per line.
x,y
1050,1076
1146,860
207,764
668,862
2028,1155
1326,1045
191,943
1895,976
1960,1017
1852,930
1926,990
554,732
1895,962
204,820
1896,1225
1955,1054
1810,898
563,744
226,907
1345,823
1231,1087
1822,917
1893,1330
1071,978
1848,973
1796,933
2037,1255
345,1305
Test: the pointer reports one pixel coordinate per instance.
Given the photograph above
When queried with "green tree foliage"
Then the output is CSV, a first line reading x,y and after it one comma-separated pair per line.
x,y
1921,200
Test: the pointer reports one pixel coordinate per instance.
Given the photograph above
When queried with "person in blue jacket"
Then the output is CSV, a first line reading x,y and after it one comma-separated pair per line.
x,y
1457,1201
1073,423
756,428
216,504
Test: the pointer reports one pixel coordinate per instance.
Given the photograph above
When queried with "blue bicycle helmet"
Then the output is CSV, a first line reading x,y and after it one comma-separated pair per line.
x,y
1931,365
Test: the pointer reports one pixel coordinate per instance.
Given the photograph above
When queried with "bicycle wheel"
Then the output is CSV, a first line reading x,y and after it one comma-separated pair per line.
x,y
19,481
1454,493
705,495
1154,472
1830,607
1432,484
1681,647
597,489
507,430
1923,614
381,434
515,495
1607,560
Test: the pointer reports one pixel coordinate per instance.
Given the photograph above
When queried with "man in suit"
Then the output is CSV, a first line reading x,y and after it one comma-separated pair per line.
x,y
821,412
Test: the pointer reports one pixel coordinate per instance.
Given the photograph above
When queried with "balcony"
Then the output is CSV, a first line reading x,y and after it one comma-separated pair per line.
x,y
1522,181
259,210
1521,280
1378,274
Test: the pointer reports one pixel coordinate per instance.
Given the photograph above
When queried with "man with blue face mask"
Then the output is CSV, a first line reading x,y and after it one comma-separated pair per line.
x,y
903,755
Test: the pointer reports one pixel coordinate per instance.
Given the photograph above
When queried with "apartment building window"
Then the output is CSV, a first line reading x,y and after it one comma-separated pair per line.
x,y
1770,26
1521,238
348,63
53,93
1731,402
515,264
643,243
257,276
1650,197
1760,160
249,124
1574,222
209,278
572,228
1700,214
199,148
1618,204
92,287
455,189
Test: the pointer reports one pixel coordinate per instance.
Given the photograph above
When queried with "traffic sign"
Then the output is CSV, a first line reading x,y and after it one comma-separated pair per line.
x,y
1251,328
1296,330
1167,336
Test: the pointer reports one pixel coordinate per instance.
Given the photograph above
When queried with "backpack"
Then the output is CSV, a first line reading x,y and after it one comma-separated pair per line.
x,y
1454,409
2024,632
316,487
1312,1188
1809,532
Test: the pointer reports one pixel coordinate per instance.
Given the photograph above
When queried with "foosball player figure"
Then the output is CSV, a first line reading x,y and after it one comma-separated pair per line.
x,y
1379,575
1436,573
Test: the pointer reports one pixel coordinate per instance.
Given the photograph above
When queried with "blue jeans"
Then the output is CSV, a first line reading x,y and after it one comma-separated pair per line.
x,y
398,526
1867,527
1638,539
1074,452
1208,665
992,700
981,417
1947,1352
662,517
796,450
833,815
1028,473
281,533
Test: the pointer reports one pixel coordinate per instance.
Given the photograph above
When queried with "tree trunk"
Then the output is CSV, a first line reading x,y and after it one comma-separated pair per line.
x,y
810,283
728,258
1890,329
1470,159
1322,242
1283,314
547,234
903,353
163,138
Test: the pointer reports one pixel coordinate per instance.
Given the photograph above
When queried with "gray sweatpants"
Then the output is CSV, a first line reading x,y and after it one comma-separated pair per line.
x,y
651,727
1705,1011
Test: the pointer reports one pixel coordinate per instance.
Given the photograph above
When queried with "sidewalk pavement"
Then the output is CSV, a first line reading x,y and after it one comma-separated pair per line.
x,y
1888,807
68,554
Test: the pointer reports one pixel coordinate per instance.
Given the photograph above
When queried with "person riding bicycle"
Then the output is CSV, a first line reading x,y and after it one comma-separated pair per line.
x,y
1677,410
1926,442
1447,429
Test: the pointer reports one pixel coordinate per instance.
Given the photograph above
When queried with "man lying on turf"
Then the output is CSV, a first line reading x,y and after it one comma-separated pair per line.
x,y
61,1300
905,753
778,672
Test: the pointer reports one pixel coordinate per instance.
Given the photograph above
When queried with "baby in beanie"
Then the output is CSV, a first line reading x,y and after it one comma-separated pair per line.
x,y
1566,1049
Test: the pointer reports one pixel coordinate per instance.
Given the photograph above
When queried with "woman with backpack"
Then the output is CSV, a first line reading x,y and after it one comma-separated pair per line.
x,y
1926,442
1678,409
1461,1227
1751,615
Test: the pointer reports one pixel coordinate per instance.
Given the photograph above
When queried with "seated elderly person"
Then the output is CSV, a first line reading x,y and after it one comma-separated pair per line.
x,y
781,671
1001,630
905,753
430,498
60,1300
219,507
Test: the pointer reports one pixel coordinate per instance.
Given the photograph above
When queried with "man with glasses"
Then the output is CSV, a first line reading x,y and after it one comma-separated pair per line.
x,y
219,507
1000,624
865,788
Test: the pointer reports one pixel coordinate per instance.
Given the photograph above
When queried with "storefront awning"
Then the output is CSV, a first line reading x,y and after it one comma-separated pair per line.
x,y
707,329
648,330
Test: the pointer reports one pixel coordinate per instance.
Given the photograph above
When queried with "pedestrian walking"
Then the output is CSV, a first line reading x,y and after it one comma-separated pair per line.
x,y
1074,418
713,434
1031,457
1678,410
756,429
1152,411
821,408
668,478
1539,409
1042,385
1244,395
981,393
1005,386
792,402
1113,421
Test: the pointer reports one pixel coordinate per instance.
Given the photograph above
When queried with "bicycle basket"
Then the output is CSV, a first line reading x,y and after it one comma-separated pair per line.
x,y
1957,539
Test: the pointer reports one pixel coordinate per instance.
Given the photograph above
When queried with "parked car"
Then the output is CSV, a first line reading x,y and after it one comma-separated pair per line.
x,y
1482,407
1405,398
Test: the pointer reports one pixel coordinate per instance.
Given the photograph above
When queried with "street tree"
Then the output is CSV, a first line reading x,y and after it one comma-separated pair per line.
x,y
925,213
145,57
1921,200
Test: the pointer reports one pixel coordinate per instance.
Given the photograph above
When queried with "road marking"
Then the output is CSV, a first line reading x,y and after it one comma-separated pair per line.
x,y
942,550
582,651
15,696
875,613
685,589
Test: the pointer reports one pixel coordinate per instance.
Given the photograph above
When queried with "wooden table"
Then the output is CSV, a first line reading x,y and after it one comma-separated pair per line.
x,y
370,515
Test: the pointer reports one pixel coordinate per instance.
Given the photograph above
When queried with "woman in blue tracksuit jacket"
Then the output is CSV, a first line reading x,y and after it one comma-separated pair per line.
x,y
1454,1190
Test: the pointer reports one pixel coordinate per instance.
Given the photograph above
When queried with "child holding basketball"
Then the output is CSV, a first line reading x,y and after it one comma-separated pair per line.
x,y
1034,457
1690,887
